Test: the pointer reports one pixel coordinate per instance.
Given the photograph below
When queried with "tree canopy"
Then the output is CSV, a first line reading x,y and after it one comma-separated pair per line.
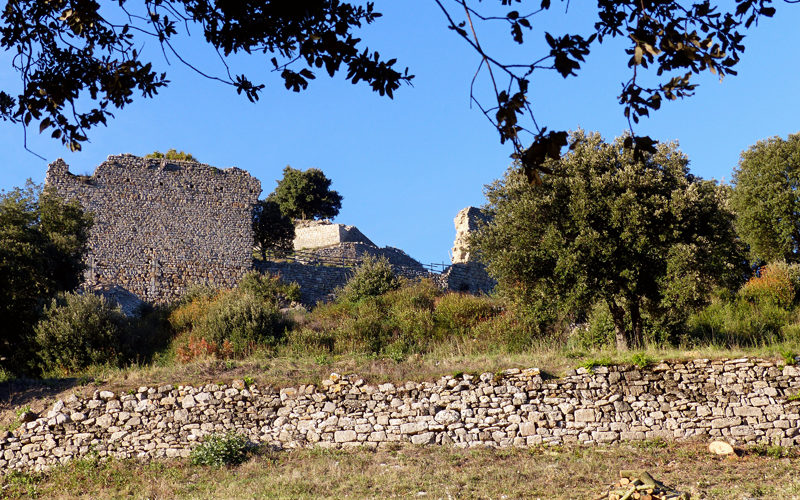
x,y
767,201
306,195
42,242
77,62
641,234
273,231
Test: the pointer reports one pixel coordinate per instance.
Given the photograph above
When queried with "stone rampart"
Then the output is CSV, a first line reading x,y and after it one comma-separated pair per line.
x,y
319,234
744,401
162,225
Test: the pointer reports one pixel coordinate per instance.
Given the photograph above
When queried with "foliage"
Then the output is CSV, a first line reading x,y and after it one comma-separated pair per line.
x,y
373,277
76,61
598,332
765,199
641,234
42,242
218,450
676,39
739,322
172,154
77,331
459,313
244,320
232,322
273,232
407,320
777,283
306,195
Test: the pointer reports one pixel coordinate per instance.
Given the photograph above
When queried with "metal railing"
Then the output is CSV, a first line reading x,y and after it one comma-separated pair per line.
x,y
314,259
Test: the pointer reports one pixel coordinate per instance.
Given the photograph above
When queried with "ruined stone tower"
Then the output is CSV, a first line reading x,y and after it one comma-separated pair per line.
x,y
161,226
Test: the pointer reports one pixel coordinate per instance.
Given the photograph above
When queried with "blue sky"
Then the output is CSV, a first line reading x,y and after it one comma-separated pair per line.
x,y
406,166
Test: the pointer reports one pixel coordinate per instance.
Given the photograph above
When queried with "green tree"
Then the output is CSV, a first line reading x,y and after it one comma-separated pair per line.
x,y
306,195
42,242
172,154
766,199
273,231
643,235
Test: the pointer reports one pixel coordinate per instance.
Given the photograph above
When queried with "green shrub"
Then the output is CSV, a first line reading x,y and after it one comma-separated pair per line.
x,y
597,333
269,288
459,313
77,331
738,323
234,322
372,278
242,319
218,450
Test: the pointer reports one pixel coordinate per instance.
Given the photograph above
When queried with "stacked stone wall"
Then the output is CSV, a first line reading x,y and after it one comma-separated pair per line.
x,y
161,226
744,401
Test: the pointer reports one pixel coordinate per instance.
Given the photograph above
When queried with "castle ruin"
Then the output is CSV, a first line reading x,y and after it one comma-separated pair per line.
x,y
161,226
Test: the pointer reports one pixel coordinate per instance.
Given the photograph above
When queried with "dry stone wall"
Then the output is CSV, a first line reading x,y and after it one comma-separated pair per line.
x,y
742,401
162,225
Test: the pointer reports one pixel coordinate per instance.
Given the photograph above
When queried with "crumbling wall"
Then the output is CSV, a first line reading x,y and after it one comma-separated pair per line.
x,y
162,225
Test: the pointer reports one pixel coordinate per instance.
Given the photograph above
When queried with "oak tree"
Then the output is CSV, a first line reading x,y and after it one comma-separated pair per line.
x,y
42,243
639,233
273,231
306,194
766,199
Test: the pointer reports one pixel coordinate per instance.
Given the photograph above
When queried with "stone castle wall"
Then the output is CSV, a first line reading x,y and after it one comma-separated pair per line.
x,y
744,401
162,225
318,234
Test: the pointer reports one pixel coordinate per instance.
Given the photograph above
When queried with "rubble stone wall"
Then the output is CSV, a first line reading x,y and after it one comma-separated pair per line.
x,y
162,225
742,401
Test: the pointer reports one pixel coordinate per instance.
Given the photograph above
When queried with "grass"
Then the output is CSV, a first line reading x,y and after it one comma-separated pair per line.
x,y
429,472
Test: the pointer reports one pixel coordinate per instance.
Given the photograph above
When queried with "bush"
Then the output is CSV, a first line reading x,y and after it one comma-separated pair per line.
x,y
776,283
269,288
218,450
598,332
739,323
232,323
243,320
372,278
459,313
77,331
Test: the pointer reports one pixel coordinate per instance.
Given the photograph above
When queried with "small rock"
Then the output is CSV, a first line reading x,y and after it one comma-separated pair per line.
x,y
720,448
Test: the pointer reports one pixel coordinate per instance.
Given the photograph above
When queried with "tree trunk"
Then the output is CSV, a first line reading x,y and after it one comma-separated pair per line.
x,y
637,339
618,316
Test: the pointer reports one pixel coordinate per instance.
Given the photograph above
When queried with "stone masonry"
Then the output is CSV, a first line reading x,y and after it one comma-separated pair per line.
x,y
743,401
323,233
161,226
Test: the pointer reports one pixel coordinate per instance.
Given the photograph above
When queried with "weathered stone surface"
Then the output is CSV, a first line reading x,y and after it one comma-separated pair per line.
x,y
161,226
672,400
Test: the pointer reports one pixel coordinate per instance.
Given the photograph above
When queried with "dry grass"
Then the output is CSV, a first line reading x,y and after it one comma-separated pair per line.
x,y
427,472
282,371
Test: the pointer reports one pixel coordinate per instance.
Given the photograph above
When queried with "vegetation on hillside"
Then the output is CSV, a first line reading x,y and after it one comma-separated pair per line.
x,y
42,242
611,250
